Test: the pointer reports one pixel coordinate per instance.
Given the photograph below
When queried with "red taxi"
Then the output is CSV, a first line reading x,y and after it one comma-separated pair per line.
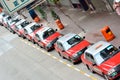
x,y
19,29
104,59
71,46
46,37
30,30
2,15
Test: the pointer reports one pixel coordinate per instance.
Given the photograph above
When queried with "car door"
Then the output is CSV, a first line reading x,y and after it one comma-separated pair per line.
x,y
92,63
38,40
62,50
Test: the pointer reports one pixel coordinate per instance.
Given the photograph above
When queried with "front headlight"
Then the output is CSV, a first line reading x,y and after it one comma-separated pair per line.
x,y
112,73
75,56
49,46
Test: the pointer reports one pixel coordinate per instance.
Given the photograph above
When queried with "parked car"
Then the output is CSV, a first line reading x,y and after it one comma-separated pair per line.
x,y
30,30
2,15
104,59
46,37
71,46
19,29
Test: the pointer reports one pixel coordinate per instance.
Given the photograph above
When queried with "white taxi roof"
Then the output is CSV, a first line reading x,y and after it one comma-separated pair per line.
x,y
66,37
97,47
19,22
30,25
42,30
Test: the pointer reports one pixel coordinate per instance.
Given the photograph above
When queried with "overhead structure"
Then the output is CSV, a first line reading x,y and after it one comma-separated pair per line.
x,y
15,5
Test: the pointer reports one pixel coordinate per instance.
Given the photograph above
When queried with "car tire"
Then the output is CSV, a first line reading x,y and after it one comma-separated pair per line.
x,y
72,61
91,70
106,77
19,35
47,49
59,53
33,41
87,67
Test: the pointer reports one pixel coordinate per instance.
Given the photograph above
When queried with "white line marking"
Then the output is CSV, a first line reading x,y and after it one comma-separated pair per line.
x,y
76,69
38,48
86,74
43,51
54,57
33,46
61,61
69,65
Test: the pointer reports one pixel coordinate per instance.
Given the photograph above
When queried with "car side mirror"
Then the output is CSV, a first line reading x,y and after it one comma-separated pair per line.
x,y
94,64
55,29
83,37
119,47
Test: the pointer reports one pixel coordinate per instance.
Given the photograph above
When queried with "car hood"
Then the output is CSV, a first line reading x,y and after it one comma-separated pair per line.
x,y
52,37
78,47
111,63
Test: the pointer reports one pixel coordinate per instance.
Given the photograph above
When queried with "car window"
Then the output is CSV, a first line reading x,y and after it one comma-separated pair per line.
x,y
25,23
37,37
18,27
108,52
60,45
35,27
89,57
74,40
26,31
47,33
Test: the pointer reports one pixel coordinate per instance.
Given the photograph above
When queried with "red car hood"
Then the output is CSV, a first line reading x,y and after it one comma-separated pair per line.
x,y
78,47
52,37
110,63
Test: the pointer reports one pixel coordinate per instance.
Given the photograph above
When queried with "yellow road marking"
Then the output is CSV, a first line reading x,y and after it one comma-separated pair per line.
x,y
61,61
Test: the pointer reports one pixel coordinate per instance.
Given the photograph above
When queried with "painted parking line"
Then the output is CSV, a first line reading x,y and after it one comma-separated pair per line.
x,y
61,61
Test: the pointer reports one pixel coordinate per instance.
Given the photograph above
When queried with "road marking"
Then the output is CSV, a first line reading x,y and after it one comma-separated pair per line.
x,y
77,69
61,61
54,57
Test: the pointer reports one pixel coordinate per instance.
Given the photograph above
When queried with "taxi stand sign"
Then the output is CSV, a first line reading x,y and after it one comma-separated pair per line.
x,y
14,5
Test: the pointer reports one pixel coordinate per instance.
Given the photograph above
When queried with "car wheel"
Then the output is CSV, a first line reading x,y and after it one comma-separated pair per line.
x,y
63,57
91,69
87,67
59,53
47,49
13,32
33,41
106,77
19,35
72,61
23,37
1,24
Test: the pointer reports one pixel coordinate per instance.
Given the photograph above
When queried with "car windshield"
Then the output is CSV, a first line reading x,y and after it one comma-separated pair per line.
x,y
25,23
48,33
74,40
108,52
35,27
16,20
